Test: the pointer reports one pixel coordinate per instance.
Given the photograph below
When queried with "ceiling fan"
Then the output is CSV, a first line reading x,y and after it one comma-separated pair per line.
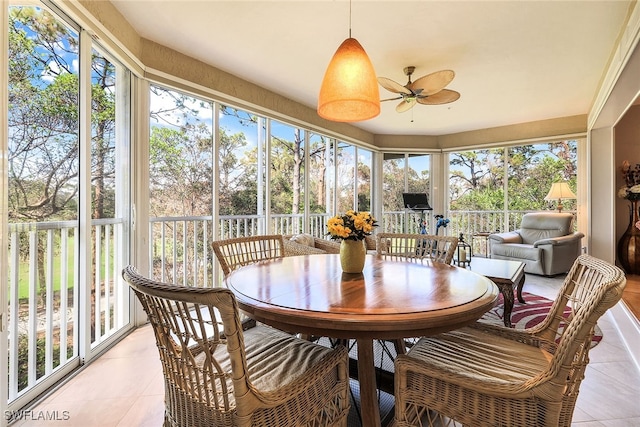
x,y
427,90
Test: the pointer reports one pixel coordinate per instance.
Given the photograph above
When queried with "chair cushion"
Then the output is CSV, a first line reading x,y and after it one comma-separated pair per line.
x,y
274,358
477,355
303,239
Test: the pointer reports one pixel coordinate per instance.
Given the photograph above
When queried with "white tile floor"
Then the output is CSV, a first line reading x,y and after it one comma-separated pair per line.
x,y
124,387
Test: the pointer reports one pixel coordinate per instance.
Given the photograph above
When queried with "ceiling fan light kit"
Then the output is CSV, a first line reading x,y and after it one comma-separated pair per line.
x,y
427,90
349,91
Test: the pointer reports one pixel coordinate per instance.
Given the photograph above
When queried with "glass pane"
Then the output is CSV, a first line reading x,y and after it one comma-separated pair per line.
x,y
180,185
532,170
346,177
393,185
418,173
109,185
287,178
364,180
319,194
476,192
241,166
180,150
476,180
43,142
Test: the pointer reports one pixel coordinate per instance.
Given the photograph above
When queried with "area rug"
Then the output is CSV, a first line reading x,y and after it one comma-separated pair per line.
x,y
530,314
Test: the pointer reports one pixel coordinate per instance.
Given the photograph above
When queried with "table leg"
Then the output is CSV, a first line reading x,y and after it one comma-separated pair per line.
x,y
507,295
367,379
520,285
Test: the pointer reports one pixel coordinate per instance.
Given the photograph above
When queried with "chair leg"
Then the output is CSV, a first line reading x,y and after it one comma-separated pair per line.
x,y
400,346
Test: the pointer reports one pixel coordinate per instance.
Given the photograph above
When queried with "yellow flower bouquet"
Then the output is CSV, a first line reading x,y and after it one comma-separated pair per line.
x,y
351,225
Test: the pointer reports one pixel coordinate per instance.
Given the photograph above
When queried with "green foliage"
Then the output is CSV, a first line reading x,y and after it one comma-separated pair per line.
x,y
477,177
23,358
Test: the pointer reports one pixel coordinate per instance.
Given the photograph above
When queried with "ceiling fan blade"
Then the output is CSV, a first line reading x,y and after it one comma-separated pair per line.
x,y
391,99
445,96
433,83
406,105
392,86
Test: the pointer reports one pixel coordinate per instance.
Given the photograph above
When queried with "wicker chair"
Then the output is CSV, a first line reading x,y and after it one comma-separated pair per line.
x,y
487,375
417,246
216,374
238,252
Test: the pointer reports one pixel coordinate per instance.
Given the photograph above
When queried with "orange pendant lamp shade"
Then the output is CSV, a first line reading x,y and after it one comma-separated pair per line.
x,y
349,91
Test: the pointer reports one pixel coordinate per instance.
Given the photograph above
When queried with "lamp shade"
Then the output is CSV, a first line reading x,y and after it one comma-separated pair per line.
x,y
349,91
559,191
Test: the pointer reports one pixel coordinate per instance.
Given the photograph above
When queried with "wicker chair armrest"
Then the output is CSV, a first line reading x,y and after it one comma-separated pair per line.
x,y
525,336
329,246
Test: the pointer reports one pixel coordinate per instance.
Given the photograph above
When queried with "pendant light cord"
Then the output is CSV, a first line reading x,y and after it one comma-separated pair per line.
x,y
349,18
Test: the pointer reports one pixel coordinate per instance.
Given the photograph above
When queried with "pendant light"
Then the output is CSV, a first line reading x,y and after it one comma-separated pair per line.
x,y
349,91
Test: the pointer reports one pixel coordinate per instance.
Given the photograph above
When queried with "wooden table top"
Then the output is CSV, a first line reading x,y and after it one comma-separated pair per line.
x,y
390,299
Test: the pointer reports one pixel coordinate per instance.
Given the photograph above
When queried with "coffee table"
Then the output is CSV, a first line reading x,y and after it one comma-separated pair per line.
x,y
505,274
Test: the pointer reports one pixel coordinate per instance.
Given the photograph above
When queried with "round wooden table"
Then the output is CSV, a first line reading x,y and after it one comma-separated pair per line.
x,y
390,300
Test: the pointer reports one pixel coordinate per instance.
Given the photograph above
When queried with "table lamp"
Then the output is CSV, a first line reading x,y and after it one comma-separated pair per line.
x,y
560,191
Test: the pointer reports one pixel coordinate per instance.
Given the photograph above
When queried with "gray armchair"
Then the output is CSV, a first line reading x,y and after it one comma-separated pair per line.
x,y
545,243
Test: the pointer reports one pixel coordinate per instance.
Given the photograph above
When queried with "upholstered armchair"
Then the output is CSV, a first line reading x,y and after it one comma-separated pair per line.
x,y
545,243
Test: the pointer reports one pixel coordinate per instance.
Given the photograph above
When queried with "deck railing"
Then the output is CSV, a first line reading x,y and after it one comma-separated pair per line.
x,y
181,246
44,296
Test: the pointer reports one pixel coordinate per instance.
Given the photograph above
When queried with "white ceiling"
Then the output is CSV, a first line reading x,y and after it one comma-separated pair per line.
x,y
515,61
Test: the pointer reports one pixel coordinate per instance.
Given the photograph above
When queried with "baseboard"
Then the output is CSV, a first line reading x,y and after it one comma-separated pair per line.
x,y
629,327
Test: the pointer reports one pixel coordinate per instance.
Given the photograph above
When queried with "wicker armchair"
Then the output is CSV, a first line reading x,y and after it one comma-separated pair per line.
x,y
488,375
216,374
417,246
238,252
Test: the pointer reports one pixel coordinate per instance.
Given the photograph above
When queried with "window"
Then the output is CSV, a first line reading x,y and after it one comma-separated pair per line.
x,y
50,191
491,189
405,173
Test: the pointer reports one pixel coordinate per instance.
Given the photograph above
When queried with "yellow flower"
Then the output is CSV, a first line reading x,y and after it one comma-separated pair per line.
x,y
351,226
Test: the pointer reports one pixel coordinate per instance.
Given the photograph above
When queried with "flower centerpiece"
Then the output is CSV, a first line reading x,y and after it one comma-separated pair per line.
x,y
351,228
631,177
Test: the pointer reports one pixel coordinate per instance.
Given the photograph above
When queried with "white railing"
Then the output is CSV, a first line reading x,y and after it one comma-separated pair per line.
x,y
44,296
181,246
180,250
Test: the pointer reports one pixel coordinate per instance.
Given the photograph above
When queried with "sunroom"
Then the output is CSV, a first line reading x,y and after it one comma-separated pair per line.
x,y
116,152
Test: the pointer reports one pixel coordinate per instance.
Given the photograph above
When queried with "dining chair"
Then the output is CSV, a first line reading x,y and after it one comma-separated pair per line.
x,y
217,374
491,375
240,251
413,246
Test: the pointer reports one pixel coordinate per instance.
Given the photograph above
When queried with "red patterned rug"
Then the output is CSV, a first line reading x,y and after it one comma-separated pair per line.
x,y
530,314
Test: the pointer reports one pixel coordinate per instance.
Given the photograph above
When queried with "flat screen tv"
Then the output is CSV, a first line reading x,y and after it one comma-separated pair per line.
x,y
416,201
